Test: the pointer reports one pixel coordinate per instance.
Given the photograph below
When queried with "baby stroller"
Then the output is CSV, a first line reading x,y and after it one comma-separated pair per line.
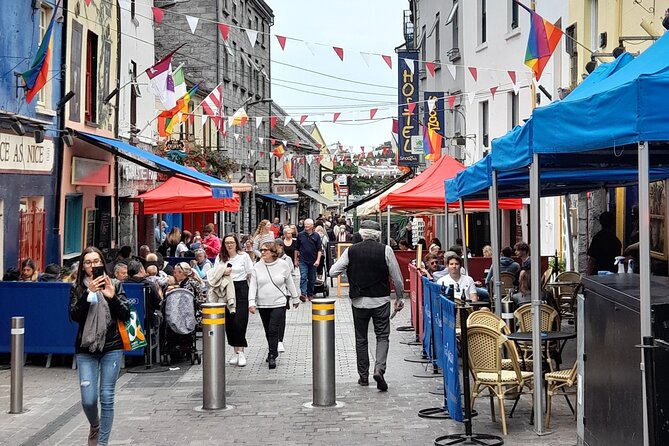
x,y
179,329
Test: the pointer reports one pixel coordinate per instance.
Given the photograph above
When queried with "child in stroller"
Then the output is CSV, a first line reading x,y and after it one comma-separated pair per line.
x,y
180,327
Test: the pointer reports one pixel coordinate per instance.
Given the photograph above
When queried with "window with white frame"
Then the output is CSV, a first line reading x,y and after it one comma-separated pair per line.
x,y
44,95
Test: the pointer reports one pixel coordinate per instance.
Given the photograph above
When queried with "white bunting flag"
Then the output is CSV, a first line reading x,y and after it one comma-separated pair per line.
x,y
410,63
286,121
516,88
192,23
285,143
253,36
236,135
453,70
470,97
311,48
258,121
261,140
231,121
365,57
204,119
430,104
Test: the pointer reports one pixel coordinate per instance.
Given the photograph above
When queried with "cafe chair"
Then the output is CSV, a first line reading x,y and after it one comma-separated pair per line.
x,y
485,359
559,380
546,278
491,320
549,321
564,294
508,279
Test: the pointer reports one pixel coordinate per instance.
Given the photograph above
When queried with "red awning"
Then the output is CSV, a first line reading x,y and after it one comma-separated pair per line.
x,y
425,193
180,196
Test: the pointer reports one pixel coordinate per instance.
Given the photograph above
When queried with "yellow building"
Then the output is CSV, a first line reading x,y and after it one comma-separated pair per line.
x,y
326,188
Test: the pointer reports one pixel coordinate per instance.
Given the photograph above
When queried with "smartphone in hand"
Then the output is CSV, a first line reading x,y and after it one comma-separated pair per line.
x,y
98,271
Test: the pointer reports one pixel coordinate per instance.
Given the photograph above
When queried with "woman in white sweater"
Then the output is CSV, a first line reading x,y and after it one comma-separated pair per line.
x,y
271,285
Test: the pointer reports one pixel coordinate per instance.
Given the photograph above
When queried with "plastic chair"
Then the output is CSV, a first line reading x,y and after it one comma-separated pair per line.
x,y
549,322
559,380
485,359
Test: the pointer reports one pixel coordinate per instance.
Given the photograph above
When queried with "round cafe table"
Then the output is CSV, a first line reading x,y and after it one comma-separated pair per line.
x,y
560,337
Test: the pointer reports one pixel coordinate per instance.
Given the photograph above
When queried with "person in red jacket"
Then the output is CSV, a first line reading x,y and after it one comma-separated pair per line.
x,y
210,243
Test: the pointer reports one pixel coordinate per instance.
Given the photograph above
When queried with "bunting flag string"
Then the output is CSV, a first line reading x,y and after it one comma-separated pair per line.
x,y
282,41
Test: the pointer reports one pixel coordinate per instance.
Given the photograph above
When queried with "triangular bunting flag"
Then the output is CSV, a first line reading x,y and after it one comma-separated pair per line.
x,y
231,121
339,51
204,120
282,41
474,73
430,104
273,141
310,46
453,70
225,30
451,101
286,121
335,116
388,60
410,63
512,75
303,118
236,135
252,35
285,143
372,112
493,90
258,121
192,23
411,106
158,15
248,138
470,97
261,140
365,57
272,121
430,68
516,88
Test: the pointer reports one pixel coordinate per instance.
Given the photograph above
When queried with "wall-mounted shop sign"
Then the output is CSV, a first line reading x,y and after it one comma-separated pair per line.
x,y
22,154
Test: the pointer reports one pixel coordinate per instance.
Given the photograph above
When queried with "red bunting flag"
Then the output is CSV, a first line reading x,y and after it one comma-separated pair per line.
x,y
248,138
474,73
430,68
411,106
451,101
88,2
339,51
336,116
493,90
272,121
191,119
158,15
282,41
396,126
225,30
372,112
303,118
388,61
512,75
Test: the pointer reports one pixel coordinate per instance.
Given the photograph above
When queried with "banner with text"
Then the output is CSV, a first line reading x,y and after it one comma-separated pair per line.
x,y
434,120
407,113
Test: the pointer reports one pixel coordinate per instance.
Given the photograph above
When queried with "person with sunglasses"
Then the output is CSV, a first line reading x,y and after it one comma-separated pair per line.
x,y
431,268
270,287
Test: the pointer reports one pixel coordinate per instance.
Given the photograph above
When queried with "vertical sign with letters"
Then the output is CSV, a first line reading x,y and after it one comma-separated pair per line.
x,y
407,83
434,120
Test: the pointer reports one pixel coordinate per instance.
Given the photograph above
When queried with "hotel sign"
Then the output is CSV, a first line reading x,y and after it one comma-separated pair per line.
x,y
22,154
407,82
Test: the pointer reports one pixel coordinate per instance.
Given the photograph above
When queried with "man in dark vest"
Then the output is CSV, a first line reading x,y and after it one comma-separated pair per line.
x,y
369,266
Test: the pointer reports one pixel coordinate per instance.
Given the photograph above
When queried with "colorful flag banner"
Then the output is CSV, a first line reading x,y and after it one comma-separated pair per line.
x,y
542,41
161,81
36,76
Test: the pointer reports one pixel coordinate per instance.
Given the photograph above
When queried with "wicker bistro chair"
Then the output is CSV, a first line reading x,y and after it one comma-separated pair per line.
x,y
491,320
549,322
485,358
564,294
559,381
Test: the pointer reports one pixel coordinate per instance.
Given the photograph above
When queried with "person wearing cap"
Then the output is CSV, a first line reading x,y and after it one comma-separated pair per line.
x,y
369,265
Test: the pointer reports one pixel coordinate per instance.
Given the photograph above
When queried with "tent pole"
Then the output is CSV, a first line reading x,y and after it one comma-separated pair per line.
x,y
535,254
494,233
388,226
570,239
463,232
644,275
446,241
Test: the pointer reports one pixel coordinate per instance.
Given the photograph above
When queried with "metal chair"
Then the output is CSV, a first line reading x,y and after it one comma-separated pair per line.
x,y
485,358
559,380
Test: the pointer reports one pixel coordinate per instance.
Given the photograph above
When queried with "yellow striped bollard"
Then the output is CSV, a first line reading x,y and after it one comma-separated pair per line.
x,y
213,356
323,352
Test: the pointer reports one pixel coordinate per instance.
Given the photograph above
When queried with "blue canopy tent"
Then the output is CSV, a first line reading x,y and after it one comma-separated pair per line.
x,y
603,121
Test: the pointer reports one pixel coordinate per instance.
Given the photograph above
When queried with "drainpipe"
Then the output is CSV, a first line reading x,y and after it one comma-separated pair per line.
x,y
117,207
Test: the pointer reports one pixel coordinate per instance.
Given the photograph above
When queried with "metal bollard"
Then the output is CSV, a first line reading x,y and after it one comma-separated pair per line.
x,y
507,314
323,352
213,356
16,398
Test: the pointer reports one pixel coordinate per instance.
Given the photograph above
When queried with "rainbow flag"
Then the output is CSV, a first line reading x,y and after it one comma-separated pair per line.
x,y
176,115
37,75
542,41
279,151
431,144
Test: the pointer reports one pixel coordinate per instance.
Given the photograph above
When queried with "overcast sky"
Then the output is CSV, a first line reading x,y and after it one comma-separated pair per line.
x,y
370,26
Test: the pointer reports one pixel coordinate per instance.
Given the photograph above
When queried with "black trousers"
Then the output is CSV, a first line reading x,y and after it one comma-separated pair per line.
x,y
236,324
271,322
380,317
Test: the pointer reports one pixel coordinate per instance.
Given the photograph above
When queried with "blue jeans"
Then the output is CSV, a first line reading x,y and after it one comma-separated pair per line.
x,y
307,278
106,367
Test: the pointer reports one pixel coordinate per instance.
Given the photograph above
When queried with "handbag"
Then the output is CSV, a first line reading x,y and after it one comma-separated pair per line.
x,y
277,287
131,332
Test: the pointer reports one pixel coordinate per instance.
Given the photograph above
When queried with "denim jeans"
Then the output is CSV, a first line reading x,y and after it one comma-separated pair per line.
x,y
380,317
102,368
307,278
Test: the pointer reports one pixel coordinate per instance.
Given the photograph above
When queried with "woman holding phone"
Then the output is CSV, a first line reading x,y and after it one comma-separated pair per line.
x,y
238,266
97,306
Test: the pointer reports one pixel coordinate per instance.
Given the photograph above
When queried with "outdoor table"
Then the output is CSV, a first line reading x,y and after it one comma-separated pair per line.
x,y
554,286
560,337
478,304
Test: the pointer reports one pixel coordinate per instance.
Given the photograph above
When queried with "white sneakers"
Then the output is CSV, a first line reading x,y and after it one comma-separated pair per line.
x,y
241,362
234,360
281,348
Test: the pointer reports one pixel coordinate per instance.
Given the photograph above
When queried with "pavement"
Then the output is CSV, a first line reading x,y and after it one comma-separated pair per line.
x,y
266,406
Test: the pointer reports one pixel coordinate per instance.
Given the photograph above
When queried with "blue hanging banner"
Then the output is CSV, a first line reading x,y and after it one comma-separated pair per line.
x,y
407,118
427,317
435,294
450,354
